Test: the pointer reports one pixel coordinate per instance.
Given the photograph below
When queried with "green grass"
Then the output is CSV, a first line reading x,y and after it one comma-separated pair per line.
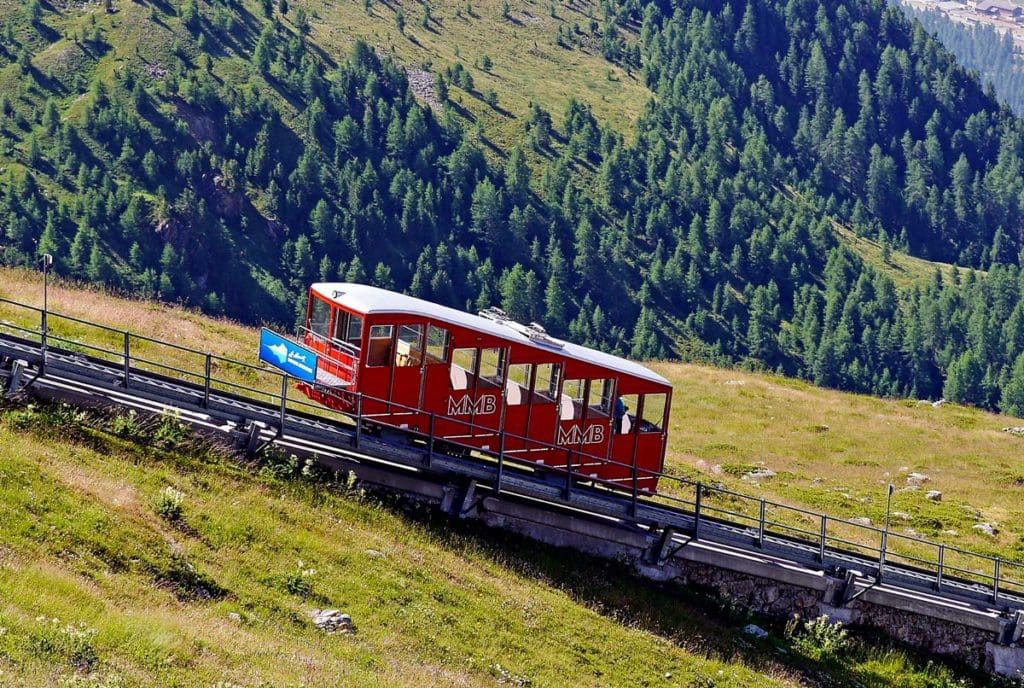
x,y
904,270
99,585
836,452
222,593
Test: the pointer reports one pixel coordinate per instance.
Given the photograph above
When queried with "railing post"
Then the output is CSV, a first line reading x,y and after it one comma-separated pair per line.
x,y
127,358
359,418
284,401
44,332
430,440
636,491
568,475
881,554
938,576
696,512
45,326
501,463
995,581
206,381
760,525
821,543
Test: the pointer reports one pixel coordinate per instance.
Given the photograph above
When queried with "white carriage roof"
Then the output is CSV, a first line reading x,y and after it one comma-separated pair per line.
x,y
366,299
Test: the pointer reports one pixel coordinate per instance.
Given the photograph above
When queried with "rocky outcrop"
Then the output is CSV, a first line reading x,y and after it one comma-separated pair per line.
x,y
421,83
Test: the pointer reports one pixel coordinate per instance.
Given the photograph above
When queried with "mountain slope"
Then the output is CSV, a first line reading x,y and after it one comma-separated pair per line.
x,y
228,154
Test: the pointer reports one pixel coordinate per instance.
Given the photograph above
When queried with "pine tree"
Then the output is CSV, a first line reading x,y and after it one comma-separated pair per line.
x,y
1012,400
486,212
520,293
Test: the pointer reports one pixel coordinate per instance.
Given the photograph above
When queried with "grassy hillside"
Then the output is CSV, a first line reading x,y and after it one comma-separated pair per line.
x,y
527,65
105,582
95,581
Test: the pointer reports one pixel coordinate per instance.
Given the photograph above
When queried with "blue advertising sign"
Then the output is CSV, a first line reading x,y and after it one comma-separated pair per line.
x,y
292,358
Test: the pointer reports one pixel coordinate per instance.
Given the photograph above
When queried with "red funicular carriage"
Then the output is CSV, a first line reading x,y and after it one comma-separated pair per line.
x,y
483,379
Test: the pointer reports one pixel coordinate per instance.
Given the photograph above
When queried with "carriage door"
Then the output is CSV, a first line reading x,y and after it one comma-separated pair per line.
x,y
585,422
408,372
434,388
476,399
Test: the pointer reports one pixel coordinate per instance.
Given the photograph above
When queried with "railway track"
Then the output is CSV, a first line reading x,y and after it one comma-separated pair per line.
x,y
60,370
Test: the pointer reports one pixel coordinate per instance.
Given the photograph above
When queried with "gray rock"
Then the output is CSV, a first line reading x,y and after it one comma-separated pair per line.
x,y
759,474
234,616
940,402
332,621
1018,430
917,479
933,495
901,515
756,631
989,529
376,554
861,520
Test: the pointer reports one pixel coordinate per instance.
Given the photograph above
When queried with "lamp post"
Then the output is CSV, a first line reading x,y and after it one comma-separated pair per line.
x,y
47,261
885,532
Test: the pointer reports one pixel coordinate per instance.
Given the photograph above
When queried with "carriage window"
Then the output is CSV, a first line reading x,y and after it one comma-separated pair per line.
x,y
320,317
463,367
437,345
625,413
654,413
492,365
546,385
348,328
354,330
409,349
517,389
572,399
600,396
380,345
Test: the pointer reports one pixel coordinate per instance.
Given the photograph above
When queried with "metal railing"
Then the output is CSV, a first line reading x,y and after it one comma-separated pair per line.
x,y
711,509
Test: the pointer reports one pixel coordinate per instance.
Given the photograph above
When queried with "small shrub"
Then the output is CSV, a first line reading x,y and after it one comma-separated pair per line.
x,y
277,464
505,676
127,426
170,504
300,581
818,639
171,432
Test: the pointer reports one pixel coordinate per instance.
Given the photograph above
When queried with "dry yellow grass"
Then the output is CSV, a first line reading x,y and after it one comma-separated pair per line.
x,y
837,452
